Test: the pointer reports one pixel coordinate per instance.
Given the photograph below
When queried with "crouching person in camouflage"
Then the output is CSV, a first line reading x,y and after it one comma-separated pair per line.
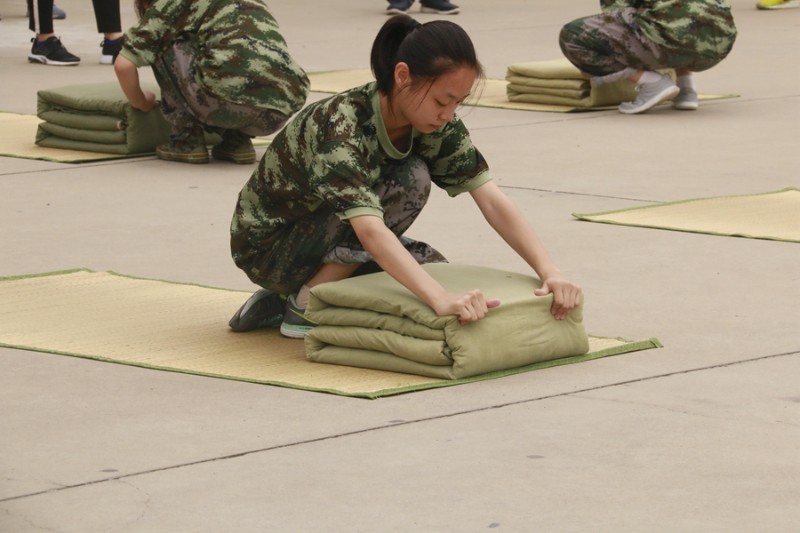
x,y
339,186
222,67
630,39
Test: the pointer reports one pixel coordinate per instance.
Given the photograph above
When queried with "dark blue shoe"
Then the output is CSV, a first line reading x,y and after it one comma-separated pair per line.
x,y
111,49
442,7
398,7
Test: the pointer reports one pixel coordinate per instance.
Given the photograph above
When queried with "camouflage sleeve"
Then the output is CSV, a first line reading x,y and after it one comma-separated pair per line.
x,y
455,164
142,41
618,4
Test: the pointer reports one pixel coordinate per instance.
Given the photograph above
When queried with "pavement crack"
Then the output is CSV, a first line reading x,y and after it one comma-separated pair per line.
x,y
398,423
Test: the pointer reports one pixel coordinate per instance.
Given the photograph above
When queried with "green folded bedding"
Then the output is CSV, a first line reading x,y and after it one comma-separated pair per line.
x,y
374,322
559,82
98,118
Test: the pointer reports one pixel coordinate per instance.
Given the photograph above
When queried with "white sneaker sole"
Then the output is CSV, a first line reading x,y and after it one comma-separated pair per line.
x,y
424,9
293,333
686,106
667,94
34,58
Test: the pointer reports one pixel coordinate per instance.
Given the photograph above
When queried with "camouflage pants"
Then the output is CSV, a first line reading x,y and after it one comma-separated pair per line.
x,y
612,45
304,245
190,108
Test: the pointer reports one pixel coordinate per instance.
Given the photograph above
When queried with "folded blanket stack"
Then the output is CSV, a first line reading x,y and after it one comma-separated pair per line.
x,y
559,82
374,322
98,118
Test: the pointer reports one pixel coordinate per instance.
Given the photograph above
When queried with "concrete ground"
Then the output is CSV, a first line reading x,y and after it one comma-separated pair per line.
x,y
701,435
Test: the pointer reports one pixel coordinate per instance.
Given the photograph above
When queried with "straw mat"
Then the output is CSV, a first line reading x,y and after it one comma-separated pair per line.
x,y
773,215
183,328
18,133
491,94
17,136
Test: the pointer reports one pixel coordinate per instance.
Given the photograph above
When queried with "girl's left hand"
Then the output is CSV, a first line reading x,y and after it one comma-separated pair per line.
x,y
566,296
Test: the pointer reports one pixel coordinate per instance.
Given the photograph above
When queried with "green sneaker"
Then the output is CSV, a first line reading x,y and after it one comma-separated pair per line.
x,y
295,324
264,309
186,147
236,147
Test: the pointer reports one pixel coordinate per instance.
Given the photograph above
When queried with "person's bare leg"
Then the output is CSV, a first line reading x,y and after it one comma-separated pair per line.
x,y
327,272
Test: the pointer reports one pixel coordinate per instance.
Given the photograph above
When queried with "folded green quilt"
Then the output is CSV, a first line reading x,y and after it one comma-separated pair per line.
x,y
559,82
98,118
374,322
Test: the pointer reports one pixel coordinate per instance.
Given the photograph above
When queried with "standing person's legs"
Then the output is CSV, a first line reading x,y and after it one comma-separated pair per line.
x,y
46,48
109,23
40,16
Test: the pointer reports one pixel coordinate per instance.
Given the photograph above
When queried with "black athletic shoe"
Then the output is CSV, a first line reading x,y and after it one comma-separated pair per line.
x,y
51,52
264,309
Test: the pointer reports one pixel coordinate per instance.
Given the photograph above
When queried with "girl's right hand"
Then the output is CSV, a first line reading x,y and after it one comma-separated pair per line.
x,y
468,307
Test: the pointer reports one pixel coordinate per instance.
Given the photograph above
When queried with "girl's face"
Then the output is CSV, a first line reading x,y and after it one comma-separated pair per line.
x,y
430,106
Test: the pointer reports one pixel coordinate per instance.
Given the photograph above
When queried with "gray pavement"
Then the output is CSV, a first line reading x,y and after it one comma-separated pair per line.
x,y
701,435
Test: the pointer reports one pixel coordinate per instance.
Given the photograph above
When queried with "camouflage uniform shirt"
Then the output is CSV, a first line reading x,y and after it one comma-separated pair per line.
x,y
240,57
678,26
333,153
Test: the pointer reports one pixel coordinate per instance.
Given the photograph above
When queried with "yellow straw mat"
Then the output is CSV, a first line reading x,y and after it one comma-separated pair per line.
x,y
17,136
183,328
772,215
18,133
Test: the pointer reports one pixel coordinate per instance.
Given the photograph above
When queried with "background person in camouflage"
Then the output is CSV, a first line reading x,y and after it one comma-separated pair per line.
x,y
222,66
338,187
632,38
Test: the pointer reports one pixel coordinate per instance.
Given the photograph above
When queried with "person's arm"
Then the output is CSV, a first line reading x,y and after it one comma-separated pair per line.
x,y
507,220
128,77
395,260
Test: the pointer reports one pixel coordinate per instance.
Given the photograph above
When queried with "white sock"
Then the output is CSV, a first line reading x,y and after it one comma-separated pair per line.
x,y
648,76
303,295
686,82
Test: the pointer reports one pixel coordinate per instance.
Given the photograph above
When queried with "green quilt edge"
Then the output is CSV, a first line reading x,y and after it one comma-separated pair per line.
x,y
591,217
629,346
102,157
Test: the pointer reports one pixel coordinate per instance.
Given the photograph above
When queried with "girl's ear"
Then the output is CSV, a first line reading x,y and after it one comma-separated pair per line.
x,y
402,76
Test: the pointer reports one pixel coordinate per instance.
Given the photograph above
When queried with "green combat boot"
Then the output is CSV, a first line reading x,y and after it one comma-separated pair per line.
x,y
189,147
236,147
